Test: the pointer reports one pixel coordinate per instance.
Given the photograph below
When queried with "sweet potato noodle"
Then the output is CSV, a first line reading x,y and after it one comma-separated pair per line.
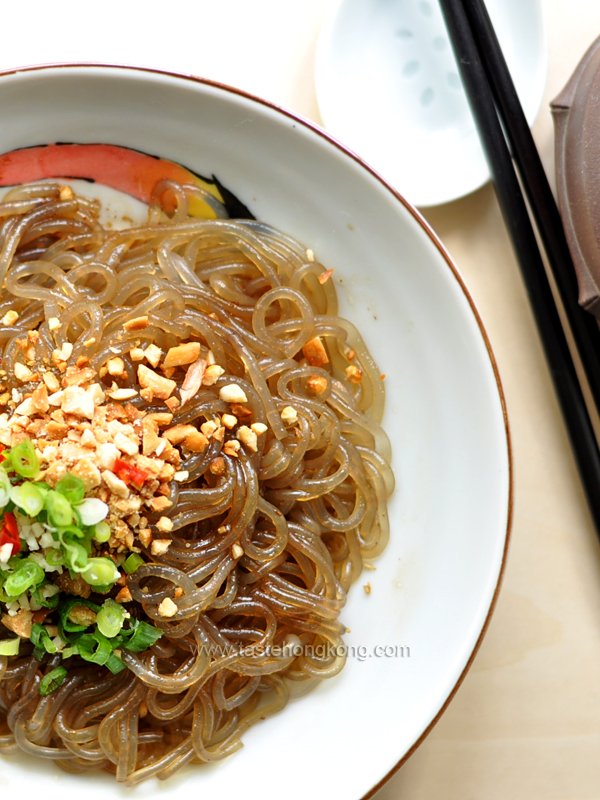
x,y
306,508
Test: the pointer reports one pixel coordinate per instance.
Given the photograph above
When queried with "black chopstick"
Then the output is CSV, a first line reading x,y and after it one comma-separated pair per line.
x,y
518,222
584,327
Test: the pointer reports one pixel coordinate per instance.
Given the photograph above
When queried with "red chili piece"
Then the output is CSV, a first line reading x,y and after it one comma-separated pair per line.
x,y
9,533
129,473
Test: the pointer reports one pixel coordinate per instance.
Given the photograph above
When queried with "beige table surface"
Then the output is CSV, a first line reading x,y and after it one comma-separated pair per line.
x,y
525,724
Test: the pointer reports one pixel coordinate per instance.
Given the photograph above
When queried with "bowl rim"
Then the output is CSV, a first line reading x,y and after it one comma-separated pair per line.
x,y
433,237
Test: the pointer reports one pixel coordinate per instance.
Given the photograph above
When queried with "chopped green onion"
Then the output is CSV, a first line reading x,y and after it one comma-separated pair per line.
x,y
41,638
76,556
100,571
94,647
54,557
24,459
72,487
28,574
114,664
92,511
28,497
67,652
52,680
9,647
143,637
5,487
132,562
51,601
102,532
110,618
66,623
59,509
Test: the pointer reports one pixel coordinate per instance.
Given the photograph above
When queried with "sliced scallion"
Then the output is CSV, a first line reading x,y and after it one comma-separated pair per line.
x,y
72,487
27,497
100,571
41,638
27,574
24,460
102,532
114,664
59,509
92,510
94,647
9,647
5,487
143,637
110,618
132,562
52,680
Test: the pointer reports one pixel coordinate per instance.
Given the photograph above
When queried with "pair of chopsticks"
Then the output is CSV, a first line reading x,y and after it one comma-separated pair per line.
x,y
505,136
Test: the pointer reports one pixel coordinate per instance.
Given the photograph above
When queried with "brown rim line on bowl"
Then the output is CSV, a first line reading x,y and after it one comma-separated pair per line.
x,y
380,188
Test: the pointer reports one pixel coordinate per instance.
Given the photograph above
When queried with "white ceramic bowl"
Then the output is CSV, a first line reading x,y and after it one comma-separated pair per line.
x,y
434,586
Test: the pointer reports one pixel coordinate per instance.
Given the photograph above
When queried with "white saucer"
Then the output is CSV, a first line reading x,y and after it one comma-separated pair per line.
x,y
388,88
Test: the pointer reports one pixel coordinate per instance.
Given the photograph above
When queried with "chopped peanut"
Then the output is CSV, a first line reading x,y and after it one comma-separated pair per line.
x,y
178,433
165,524
229,421
167,608
160,546
259,428
237,551
21,623
354,374
324,276
145,536
248,438
182,354
115,366
124,596
136,354
153,355
208,427
160,503
136,324
54,323
232,393
212,375
22,373
289,415
122,394
316,384
315,353
196,441
51,381
10,317
160,418
39,399
218,466
161,387
115,484
231,448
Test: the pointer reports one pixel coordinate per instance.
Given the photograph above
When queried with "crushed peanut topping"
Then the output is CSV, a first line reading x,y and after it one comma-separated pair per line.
x,y
315,353
136,324
354,374
167,608
289,415
10,317
232,393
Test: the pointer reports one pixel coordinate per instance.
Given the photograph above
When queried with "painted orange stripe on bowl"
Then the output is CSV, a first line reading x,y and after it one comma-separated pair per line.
x,y
127,170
